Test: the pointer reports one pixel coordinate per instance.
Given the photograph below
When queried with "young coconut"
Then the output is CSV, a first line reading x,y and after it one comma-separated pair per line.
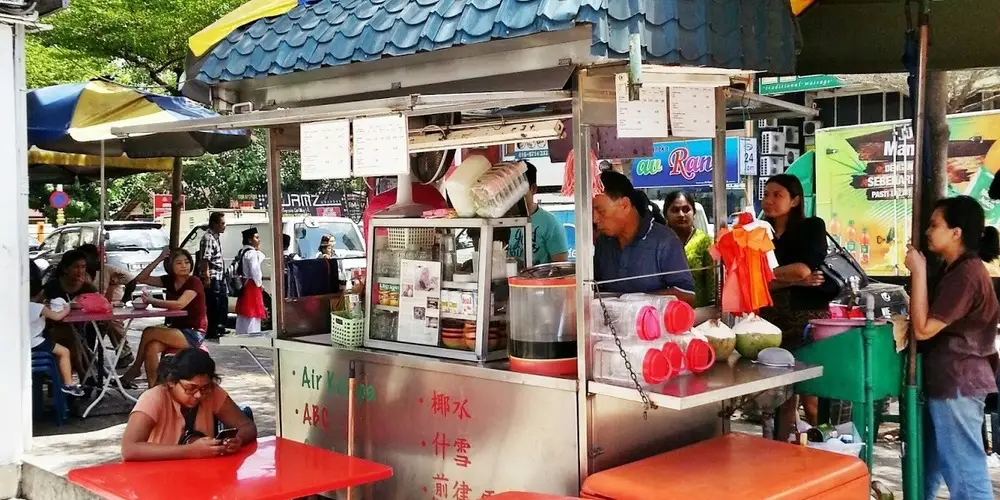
x,y
720,336
754,334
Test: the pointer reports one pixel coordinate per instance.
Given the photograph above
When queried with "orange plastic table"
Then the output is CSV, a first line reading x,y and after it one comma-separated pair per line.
x,y
735,466
274,468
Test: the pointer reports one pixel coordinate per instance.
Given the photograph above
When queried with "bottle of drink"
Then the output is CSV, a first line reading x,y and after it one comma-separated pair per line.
x,y
850,239
866,249
835,228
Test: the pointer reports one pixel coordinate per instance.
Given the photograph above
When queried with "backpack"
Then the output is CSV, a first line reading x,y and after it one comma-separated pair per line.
x,y
234,274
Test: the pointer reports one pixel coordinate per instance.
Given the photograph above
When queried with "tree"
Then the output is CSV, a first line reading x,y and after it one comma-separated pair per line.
x,y
147,39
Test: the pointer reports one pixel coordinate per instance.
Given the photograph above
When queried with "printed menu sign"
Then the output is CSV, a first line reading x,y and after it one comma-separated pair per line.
x,y
326,150
646,117
692,112
419,302
381,146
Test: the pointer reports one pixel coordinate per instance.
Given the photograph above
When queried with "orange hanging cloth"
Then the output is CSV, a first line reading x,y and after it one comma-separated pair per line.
x,y
745,254
569,176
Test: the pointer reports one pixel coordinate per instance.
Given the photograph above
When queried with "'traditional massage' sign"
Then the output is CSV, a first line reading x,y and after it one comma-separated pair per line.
x,y
687,163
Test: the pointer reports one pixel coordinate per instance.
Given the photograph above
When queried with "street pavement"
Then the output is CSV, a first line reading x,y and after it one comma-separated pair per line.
x,y
93,441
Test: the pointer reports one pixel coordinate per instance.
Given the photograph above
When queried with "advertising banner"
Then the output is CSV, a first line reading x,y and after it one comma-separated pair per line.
x,y
162,204
684,164
864,181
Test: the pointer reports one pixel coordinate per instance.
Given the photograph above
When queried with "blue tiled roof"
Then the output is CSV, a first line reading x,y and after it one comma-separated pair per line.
x,y
747,34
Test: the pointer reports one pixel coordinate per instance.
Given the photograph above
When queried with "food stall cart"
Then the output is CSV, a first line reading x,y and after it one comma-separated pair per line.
x,y
472,425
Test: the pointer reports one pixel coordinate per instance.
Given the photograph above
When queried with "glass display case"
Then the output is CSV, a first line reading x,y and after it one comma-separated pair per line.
x,y
438,287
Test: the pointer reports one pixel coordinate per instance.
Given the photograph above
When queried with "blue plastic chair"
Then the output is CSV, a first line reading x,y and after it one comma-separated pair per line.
x,y
45,370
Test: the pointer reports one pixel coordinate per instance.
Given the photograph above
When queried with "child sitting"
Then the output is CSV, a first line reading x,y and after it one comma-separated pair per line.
x,y
38,312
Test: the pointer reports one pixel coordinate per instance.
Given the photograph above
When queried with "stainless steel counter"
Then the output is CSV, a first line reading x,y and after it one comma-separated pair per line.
x,y
722,382
497,370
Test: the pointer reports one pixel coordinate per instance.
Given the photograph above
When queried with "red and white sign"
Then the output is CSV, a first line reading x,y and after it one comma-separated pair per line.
x,y
162,204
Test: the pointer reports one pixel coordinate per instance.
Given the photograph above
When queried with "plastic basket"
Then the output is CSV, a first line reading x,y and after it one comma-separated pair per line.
x,y
400,238
347,332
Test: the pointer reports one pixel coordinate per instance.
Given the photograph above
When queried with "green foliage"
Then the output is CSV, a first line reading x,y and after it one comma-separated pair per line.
x,y
148,39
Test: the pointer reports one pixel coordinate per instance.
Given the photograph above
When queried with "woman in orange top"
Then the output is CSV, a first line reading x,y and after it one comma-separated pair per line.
x,y
176,419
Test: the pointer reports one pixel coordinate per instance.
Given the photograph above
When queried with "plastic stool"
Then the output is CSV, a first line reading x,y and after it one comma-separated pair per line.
x,y
44,364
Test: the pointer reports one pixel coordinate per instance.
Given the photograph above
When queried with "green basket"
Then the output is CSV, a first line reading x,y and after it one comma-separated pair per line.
x,y
347,332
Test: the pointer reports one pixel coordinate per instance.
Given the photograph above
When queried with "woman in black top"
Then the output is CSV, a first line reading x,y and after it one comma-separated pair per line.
x,y
69,280
799,291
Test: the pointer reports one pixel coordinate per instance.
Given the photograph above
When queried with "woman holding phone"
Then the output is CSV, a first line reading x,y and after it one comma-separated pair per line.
x,y
176,419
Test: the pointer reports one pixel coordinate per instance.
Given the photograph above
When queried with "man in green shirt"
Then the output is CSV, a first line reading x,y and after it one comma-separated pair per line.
x,y
548,240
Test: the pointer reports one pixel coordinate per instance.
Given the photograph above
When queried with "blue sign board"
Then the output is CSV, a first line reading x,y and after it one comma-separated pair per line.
x,y
684,164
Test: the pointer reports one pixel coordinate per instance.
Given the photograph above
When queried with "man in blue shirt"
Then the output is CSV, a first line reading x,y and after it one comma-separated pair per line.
x,y
632,243
548,236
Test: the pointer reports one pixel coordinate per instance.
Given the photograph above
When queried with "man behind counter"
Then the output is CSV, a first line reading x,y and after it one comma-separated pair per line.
x,y
635,241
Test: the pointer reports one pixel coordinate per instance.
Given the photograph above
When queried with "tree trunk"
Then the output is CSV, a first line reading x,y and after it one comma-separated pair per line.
x,y
937,126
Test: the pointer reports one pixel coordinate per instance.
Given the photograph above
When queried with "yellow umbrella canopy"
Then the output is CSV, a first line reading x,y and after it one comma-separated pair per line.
x,y
55,167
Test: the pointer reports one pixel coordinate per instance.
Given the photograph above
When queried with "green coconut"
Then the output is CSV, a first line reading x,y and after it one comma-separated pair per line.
x,y
719,336
754,334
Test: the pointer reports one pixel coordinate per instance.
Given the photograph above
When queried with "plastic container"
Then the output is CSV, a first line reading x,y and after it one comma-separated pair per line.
x,y
677,316
499,189
542,311
632,319
648,363
459,184
820,329
347,332
697,354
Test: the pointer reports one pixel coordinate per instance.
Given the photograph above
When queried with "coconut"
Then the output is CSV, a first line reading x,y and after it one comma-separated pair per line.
x,y
719,336
754,334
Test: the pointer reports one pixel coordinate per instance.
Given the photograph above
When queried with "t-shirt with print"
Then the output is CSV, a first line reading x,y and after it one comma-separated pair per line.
x,y
961,357
548,238
167,417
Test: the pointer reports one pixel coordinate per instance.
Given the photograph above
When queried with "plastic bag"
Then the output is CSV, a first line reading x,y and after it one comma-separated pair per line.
x,y
94,303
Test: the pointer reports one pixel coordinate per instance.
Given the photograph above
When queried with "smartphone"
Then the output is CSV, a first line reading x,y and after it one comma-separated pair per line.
x,y
226,434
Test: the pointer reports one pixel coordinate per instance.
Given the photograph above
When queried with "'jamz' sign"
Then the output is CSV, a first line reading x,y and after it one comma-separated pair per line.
x,y
684,164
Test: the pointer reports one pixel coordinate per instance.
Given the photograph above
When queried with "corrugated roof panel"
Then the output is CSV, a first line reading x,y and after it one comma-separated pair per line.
x,y
750,34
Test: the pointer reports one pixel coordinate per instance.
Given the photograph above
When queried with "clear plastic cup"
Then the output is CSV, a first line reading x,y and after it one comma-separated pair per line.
x,y
677,316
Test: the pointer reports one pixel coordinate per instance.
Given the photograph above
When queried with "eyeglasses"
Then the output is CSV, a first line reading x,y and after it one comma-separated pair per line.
x,y
192,389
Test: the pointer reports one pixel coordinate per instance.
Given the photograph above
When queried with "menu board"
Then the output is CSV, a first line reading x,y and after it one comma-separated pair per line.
x,y
692,111
646,117
419,302
381,146
326,150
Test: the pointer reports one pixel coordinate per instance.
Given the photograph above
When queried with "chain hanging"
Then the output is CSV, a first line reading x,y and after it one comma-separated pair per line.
x,y
647,403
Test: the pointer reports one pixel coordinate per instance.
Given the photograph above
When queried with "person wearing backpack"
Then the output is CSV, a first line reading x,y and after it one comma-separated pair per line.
x,y
249,284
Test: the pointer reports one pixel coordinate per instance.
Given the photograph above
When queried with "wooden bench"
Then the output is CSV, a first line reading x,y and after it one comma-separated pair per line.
x,y
735,466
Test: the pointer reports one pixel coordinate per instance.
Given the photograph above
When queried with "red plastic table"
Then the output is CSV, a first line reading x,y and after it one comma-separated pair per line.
x,y
274,468
126,315
521,495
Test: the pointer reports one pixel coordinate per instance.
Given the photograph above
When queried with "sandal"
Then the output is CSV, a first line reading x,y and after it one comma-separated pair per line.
x,y
129,384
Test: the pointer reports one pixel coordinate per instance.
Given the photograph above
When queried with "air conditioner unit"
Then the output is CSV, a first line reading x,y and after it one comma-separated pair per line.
x,y
767,123
772,165
761,185
791,134
810,127
772,143
791,154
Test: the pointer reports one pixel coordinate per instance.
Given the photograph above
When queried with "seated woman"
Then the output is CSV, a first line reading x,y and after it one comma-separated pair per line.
x,y
176,420
68,281
184,291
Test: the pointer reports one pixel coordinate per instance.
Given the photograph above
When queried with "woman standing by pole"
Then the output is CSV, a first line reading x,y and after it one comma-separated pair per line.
x,y
955,323
250,308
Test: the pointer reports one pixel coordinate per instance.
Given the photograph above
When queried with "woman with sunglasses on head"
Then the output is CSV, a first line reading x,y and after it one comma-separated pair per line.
x,y
176,419
955,322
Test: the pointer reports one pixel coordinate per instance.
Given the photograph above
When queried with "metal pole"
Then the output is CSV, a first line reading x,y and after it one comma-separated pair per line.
x,y
351,385
719,200
274,215
175,203
918,159
584,266
100,232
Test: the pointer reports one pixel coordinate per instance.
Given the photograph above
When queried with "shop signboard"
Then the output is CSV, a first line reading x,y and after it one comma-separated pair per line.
x,y
864,183
683,164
